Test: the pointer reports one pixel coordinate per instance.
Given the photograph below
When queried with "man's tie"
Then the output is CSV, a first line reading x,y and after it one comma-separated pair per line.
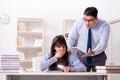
x,y
89,45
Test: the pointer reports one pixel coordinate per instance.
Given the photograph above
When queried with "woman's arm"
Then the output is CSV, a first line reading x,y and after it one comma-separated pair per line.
x,y
46,62
75,64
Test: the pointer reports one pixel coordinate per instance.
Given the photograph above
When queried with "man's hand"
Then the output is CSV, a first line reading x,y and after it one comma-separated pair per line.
x,y
89,53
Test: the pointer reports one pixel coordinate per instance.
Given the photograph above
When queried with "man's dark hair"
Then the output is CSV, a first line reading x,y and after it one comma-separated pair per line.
x,y
91,11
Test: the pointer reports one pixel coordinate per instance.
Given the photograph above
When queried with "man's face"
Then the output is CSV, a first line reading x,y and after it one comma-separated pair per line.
x,y
89,20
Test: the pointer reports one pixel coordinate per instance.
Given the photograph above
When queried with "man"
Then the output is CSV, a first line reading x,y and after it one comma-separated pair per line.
x,y
99,31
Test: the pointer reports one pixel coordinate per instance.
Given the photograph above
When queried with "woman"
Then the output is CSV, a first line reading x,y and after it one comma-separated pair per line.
x,y
60,59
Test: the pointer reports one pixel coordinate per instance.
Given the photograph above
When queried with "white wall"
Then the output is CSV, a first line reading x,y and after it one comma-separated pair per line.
x,y
115,43
53,11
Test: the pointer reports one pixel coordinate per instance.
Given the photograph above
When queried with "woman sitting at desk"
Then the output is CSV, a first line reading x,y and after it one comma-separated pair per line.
x,y
60,59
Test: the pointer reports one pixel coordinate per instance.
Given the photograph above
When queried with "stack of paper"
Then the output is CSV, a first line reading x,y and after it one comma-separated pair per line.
x,y
108,69
9,63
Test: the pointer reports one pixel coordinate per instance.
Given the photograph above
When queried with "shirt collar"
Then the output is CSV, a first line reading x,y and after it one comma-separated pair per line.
x,y
95,24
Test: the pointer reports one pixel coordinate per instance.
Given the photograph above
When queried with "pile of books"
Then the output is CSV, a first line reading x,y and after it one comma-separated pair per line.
x,y
9,63
108,69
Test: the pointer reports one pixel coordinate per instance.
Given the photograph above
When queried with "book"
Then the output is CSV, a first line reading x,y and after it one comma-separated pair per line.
x,y
20,41
108,67
21,26
9,71
22,56
38,43
108,71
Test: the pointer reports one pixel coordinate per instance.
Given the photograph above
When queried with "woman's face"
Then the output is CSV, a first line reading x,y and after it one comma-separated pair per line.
x,y
61,49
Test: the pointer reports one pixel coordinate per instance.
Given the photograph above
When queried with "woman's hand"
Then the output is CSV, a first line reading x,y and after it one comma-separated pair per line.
x,y
58,55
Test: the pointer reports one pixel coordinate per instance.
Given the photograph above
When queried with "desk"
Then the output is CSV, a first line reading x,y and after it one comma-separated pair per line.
x,y
56,76
59,76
